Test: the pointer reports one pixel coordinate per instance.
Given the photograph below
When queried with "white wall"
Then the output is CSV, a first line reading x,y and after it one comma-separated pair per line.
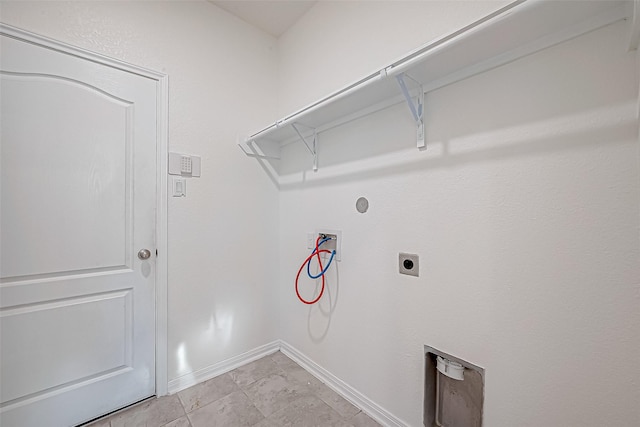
x,y
524,210
221,82
352,39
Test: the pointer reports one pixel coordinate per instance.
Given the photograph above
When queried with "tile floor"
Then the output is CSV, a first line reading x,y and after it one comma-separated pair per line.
x,y
271,392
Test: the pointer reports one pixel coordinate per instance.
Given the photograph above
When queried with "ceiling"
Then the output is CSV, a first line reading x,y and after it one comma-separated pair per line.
x,y
272,16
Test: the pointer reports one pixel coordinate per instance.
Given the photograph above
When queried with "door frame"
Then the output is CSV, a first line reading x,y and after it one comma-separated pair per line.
x,y
162,121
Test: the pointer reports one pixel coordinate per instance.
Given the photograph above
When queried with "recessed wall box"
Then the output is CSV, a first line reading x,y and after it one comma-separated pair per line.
x,y
453,391
334,244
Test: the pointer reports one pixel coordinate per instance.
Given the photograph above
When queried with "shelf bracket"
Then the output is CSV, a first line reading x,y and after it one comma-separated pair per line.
x,y
417,107
250,149
311,145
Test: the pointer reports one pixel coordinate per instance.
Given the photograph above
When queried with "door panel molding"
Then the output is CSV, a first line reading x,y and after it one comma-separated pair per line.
x,y
44,76
37,381
103,154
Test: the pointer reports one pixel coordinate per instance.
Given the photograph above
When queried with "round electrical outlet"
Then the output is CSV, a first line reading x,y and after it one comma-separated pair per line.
x,y
409,264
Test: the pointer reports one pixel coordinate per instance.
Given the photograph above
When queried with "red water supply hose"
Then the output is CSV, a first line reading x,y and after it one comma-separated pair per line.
x,y
317,254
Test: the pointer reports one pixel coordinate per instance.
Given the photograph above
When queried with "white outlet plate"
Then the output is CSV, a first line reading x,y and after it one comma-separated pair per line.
x,y
179,187
412,266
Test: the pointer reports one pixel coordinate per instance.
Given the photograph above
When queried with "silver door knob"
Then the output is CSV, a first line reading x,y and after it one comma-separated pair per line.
x,y
144,254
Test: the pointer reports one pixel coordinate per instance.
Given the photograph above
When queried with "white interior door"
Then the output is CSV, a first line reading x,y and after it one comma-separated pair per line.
x,y
78,197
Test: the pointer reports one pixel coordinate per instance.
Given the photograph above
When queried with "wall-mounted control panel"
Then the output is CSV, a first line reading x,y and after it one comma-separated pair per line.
x,y
184,165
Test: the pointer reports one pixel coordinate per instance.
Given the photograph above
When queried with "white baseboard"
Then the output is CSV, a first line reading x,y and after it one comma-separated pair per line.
x,y
367,405
196,377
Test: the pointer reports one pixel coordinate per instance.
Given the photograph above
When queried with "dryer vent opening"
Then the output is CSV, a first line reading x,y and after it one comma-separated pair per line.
x,y
453,391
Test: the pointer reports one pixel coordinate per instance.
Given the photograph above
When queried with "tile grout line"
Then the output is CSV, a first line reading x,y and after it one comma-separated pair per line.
x,y
311,392
262,369
264,417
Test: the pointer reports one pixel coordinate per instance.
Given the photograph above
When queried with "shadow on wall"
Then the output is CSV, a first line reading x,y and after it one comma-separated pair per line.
x,y
337,165
319,314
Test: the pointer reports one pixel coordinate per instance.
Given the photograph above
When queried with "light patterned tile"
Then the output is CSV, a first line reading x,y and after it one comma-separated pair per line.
x,y
209,391
233,410
275,392
283,361
103,422
251,372
295,372
275,387
267,423
337,402
330,397
150,413
308,411
363,420
180,422
334,400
